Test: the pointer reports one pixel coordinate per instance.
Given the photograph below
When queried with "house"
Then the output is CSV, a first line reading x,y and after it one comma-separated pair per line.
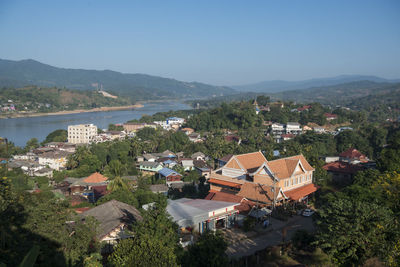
x,y
198,156
277,128
352,155
170,176
187,164
342,172
168,162
319,129
194,137
307,128
187,131
286,137
293,128
159,189
222,161
200,215
202,168
244,207
90,187
330,116
150,168
267,182
175,120
149,157
303,108
115,219
341,129
134,126
56,160
46,172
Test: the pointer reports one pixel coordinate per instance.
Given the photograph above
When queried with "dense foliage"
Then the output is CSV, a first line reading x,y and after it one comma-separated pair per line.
x,y
37,99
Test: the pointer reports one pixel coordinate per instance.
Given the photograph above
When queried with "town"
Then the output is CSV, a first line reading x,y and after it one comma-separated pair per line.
x,y
199,133
139,167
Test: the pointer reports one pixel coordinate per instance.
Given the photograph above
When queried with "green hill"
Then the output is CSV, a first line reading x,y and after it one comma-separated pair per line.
x,y
36,99
137,86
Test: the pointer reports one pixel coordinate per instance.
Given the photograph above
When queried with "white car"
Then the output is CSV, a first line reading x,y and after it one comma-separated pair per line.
x,y
308,212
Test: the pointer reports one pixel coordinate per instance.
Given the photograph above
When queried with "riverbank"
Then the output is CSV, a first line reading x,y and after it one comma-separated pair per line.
x,y
66,112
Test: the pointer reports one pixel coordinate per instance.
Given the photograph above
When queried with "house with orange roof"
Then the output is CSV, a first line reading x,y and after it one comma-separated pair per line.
x,y
252,177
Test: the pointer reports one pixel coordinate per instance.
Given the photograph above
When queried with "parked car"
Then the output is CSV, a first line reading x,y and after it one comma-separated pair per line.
x,y
308,212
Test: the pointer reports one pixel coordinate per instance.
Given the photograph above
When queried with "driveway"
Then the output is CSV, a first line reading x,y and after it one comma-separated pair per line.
x,y
245,244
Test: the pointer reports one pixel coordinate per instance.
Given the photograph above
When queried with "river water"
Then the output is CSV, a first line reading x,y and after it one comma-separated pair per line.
x,y
20,130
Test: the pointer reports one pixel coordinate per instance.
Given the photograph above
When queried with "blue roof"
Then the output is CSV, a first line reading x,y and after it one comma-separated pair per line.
x,y
167,172
169,161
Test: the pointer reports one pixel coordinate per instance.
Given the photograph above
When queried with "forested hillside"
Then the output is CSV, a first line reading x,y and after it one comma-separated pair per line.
x,y
137,86
34,98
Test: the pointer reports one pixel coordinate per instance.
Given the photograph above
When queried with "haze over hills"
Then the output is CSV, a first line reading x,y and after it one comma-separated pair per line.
x,y
279,86
137,86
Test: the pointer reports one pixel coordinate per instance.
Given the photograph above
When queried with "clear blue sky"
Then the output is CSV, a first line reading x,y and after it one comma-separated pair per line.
x,y
219,42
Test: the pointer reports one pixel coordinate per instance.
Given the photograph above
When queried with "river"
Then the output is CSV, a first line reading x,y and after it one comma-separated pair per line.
x,y
20,130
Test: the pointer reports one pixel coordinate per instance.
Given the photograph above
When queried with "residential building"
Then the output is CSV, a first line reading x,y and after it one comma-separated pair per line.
x,y
198,156
187,131
135,126
115,219
56,160
342,172
170,176
293,128
150,168
319,129
187,164
200,215
330,116
267,182
277,128
352,155
82,133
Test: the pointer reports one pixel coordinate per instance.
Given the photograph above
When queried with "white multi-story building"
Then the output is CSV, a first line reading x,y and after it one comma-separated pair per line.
x,y
293,128
82,133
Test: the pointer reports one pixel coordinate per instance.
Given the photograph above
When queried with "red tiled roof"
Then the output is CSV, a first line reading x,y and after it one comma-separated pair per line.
x,y
352,153
95,178
299,193
330,115
245,205
221,196
221,182
284,168
343,167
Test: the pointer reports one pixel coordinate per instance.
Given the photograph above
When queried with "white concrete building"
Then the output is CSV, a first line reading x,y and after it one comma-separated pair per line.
x,y
56,160
82,133
293,128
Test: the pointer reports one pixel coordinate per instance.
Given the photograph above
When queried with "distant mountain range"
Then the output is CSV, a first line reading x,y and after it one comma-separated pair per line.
x,y
279,86
136,86
341,94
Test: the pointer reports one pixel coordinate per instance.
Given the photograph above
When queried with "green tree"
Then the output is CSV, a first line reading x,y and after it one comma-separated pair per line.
x,y
209,250
56,136
352,231
143,250
31,144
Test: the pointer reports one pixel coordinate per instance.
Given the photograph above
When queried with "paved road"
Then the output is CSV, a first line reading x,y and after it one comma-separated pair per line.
x,y
245,244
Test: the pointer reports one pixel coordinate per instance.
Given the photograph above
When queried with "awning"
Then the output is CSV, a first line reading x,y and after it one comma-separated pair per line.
x,y
221,182
301,192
